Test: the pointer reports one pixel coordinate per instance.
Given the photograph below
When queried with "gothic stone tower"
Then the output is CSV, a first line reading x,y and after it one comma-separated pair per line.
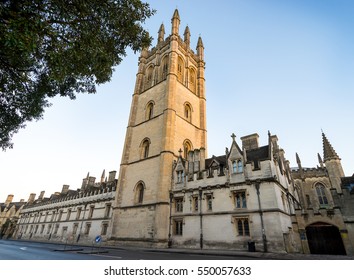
x,y
167,118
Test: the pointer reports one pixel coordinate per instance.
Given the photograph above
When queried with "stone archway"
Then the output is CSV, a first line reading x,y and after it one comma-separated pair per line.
x,y
324,238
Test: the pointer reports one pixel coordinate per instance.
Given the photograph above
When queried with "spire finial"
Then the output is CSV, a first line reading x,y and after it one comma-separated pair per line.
x,y
320,160
161,34
233,136
328,151
175,22
180,152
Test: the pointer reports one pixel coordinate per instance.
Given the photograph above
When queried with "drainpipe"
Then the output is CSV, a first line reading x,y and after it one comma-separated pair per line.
x,y
201,218
170,225
264,237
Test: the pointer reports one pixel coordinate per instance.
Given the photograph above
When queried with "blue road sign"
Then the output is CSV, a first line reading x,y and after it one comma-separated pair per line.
x,y
98,239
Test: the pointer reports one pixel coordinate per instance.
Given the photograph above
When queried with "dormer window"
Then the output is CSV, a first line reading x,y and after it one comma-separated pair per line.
x,y
237,166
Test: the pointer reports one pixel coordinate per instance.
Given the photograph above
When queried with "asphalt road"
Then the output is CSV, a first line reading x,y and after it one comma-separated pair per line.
x,y
20,250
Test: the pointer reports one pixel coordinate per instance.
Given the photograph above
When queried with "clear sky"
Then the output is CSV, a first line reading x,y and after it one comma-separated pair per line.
x,y
283,66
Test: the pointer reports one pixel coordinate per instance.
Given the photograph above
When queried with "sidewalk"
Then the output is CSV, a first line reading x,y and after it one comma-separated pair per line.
x,y
255,255
211,252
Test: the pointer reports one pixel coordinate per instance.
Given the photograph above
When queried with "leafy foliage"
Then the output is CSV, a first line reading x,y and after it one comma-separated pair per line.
x,y
57,47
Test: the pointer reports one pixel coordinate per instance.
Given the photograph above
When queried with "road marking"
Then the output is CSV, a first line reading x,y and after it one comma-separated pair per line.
x,y
23,248
106,256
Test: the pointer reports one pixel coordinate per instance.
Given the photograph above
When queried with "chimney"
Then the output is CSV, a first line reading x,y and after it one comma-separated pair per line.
x,y
112,176
9,199
31,198
41,195
250,142
91,181
65,189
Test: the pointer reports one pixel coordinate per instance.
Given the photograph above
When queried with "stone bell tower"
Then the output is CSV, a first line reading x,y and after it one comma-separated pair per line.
x,y
167,117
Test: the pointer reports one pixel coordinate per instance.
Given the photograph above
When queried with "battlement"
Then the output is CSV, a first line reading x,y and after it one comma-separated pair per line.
x,y
308,172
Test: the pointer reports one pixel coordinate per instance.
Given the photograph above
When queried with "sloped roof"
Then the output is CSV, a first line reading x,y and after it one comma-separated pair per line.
x,y
220,159
261,153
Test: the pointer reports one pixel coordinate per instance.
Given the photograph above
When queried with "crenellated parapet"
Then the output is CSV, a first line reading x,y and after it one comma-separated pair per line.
x,y
74,198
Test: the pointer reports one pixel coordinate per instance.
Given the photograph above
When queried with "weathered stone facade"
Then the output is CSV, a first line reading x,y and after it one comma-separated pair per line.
x,y
70,216
9,214
325,219
232,201
171,194
167,114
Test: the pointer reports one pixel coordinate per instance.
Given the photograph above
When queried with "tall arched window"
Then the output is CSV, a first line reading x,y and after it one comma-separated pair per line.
x,y
149,73
321,194
188,112
145,148
139,192
192,81
180,66
187,146
164,67
150,110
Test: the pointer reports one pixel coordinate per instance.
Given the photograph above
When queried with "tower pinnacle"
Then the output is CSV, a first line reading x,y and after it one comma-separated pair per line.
x,y
328,151
175,22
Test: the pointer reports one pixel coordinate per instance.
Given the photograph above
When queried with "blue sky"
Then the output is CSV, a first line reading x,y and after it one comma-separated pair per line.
x,y
283,66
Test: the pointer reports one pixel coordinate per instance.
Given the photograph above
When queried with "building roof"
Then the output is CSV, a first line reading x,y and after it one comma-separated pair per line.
x,y
261,153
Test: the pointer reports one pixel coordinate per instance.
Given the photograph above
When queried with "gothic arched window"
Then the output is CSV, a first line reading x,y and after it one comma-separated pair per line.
x,y
180,66
192,81
187,146
321,194
139,192
188,112
164,67
145,148
149,73
150,110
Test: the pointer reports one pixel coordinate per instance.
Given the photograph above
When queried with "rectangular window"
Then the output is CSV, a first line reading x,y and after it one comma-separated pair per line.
x,y
64,231
195,204
91,211
179,204
56,229
78,213
68,215
107,210
59,216
180,176
209,201
87,228
42,229
240,199
75,227
53,214
179,227
104,229
49,228
242,225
